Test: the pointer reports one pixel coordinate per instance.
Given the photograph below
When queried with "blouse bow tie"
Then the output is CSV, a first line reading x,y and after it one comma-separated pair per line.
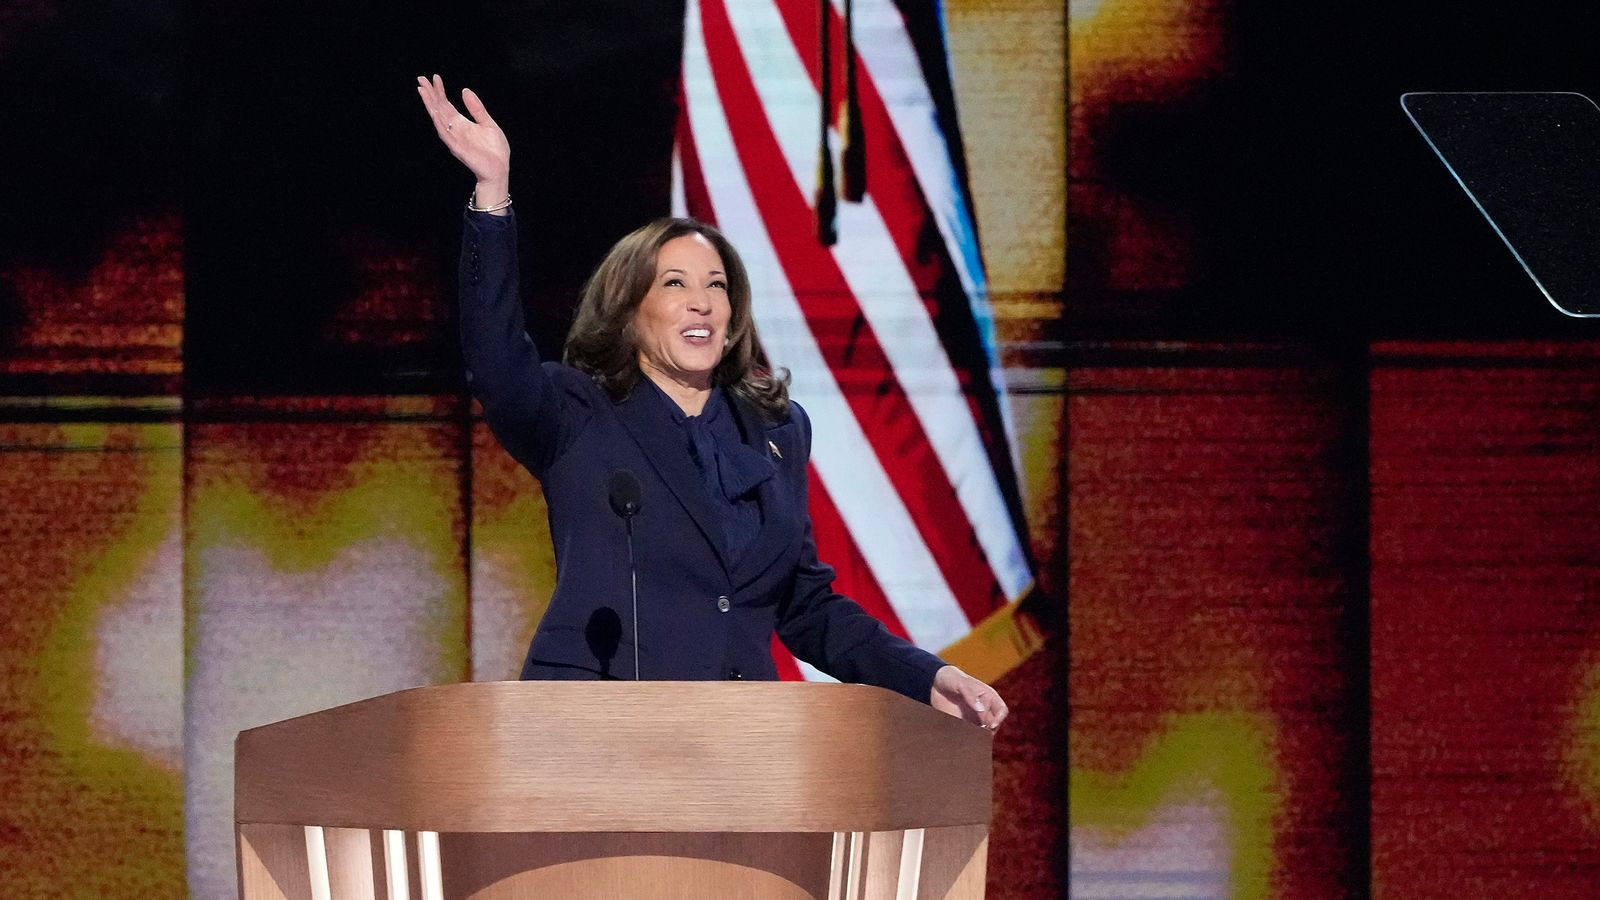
x,y
733,469
730,467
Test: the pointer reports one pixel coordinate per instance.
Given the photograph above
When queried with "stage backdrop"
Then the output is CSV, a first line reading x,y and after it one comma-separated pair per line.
x,y
244,479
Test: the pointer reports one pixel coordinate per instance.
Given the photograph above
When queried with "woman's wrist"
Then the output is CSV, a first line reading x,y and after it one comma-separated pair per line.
x,y
491,194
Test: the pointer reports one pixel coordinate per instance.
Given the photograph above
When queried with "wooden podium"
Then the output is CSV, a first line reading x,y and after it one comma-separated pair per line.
x,y
633,790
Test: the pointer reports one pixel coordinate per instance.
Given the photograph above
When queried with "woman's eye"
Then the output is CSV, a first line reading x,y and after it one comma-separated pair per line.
x,y
674,282
720,284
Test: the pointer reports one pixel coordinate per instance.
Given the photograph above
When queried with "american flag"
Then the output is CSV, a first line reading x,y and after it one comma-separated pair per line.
x,y
876,302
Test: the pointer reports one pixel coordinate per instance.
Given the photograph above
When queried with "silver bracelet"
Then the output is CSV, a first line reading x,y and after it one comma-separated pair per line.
x,y
472,198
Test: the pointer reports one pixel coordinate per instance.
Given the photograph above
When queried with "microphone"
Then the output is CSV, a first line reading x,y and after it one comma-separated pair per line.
x,y
625,495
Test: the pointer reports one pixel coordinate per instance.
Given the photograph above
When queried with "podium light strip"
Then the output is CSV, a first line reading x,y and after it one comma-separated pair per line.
x,y
836,867
394,864
317,863
428,865
838,862
858,863
910,864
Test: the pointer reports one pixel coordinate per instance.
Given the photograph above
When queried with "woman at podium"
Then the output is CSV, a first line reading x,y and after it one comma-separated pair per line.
x,y
672,460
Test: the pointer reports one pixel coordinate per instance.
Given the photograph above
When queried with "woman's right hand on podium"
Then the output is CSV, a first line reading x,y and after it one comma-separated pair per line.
x,y
478,142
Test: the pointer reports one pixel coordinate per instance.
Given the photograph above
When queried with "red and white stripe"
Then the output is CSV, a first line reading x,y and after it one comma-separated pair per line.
x,y
905,500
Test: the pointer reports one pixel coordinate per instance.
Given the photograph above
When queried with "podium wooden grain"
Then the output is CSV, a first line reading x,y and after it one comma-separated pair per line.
x,y
513,790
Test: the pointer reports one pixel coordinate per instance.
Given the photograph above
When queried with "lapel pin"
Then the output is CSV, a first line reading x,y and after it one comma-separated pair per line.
x,y
774,448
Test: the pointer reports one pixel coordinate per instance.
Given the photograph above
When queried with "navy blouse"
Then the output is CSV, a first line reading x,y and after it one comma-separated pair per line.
x,y
730,470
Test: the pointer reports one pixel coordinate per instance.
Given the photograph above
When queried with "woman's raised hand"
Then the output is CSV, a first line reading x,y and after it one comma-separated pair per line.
x,y
478,142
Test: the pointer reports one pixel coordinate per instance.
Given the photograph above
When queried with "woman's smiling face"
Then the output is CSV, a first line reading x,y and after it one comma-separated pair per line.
x,y
682,324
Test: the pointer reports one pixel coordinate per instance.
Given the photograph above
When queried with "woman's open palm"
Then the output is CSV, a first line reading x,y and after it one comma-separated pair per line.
x,y
478,142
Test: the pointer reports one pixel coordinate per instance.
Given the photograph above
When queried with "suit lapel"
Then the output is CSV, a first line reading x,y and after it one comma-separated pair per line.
x,y
779,520
650,424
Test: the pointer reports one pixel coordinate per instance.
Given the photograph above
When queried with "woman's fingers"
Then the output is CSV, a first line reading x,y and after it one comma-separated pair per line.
x,y
442,106
447,120
429,99
433,116
477,142
996,713
985,702
439,108
476,108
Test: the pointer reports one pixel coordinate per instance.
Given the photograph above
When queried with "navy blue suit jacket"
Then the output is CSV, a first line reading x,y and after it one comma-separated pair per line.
x,y
700,615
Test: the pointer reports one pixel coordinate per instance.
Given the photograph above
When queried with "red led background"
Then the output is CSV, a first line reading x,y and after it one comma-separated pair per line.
x,y
1485,620
1333,466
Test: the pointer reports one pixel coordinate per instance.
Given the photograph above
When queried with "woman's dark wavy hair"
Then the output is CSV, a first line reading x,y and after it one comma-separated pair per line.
x,y
602,340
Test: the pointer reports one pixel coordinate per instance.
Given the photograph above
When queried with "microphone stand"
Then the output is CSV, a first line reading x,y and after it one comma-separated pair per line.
x,y
633,582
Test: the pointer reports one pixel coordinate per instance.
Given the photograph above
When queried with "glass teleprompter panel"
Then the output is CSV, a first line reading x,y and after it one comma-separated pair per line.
x,y
1531,163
